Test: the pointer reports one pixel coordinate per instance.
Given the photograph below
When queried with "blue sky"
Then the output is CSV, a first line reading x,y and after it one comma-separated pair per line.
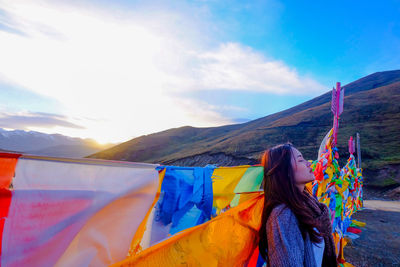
x,y
116,70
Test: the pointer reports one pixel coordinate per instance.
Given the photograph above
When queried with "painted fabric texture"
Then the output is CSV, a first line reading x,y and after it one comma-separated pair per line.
x,y
190,196
229,239
70,213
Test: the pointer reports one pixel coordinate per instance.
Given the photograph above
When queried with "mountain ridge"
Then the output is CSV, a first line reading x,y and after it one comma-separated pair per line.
x,y
371,107
37,143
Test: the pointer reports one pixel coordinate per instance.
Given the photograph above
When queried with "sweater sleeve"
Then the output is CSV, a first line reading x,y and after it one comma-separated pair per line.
x,y
285,242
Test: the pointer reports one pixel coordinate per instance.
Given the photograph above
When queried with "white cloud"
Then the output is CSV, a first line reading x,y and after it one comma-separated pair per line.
x,y
124,69
24,120
236,67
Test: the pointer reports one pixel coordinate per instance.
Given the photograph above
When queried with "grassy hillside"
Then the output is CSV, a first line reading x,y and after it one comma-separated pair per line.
x,y
371,107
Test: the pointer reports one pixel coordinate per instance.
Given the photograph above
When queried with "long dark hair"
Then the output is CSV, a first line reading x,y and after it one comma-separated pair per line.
x,y
279,188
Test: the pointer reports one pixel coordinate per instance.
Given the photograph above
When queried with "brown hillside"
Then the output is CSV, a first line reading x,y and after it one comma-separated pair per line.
x,y
371,107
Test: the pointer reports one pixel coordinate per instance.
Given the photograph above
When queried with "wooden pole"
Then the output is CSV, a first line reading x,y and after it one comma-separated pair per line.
x,y
358,151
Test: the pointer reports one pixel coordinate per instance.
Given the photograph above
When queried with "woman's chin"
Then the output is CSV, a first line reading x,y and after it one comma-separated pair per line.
x,y
312,179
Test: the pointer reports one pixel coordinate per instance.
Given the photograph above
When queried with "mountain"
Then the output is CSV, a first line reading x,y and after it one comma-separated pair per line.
x,y
371,107
56,145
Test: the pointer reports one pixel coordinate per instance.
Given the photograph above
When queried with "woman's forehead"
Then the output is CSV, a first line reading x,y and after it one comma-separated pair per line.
x,y
296,153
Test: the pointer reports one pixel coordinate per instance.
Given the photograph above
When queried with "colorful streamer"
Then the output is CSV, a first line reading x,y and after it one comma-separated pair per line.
x,y
340,189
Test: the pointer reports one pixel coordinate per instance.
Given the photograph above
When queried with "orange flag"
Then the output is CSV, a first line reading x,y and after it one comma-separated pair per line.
x,y
8,161
226,240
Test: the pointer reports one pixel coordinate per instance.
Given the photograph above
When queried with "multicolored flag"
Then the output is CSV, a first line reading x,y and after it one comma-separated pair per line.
x,y
65,212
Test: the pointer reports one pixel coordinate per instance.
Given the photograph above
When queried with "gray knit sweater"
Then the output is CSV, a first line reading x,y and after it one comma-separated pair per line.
x,y
286,246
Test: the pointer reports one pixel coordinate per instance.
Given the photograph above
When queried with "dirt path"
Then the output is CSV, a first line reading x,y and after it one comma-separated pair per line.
x,y
379,242
382,205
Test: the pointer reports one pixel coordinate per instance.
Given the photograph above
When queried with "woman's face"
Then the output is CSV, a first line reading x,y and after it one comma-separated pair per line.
x,y
301,169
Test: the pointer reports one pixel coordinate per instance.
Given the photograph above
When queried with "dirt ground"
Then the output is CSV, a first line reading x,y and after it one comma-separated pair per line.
x,y
379,241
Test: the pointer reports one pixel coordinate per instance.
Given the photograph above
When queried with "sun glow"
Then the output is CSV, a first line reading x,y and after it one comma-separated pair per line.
x,y
119,74
104,70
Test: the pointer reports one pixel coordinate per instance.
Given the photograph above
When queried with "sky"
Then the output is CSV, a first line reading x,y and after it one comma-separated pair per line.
x,y
115,70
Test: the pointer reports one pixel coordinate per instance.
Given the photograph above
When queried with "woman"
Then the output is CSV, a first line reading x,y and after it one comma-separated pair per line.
x,y
295,228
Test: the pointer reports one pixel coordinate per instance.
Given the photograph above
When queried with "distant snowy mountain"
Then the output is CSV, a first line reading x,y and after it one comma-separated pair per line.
x,y
56,145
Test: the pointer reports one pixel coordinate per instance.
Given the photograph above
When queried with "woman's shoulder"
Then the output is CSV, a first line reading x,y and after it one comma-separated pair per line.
x,y
283,214
283,225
